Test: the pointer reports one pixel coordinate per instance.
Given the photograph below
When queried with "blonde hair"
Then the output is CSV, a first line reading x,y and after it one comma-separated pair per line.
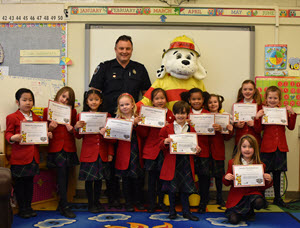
x,y
237,160
68,89
256,95
119,113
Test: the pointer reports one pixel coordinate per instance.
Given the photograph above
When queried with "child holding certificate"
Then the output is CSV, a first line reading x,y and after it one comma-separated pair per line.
x,y
242,201
62,149
24,159
177,171
95,154
248,93
153,155
274,145
196,99
216,144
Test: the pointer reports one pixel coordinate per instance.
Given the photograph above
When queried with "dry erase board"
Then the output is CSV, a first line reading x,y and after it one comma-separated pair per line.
x,y
227,53
33,36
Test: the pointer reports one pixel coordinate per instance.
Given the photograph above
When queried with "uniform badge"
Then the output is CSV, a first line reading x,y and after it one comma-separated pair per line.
x,y
134,71
114,75
97,69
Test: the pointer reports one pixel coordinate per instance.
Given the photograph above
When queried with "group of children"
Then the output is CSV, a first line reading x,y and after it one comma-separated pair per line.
x,y
148,151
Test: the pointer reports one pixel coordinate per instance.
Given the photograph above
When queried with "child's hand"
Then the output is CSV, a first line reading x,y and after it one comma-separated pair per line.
x,y
50,135
229,127
259,114
188,121
53,124
69,127
16,138
109,158
137,120
250,123
267,177
217,127
168,141
198,150
79,124
229,177
290,109
102,131
240,124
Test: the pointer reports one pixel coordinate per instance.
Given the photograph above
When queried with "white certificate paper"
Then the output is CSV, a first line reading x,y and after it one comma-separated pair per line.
x,y
248,175
118,129
34,132
203,123
94,121
223,120
59,112
276,116
183,143
244,112
153,117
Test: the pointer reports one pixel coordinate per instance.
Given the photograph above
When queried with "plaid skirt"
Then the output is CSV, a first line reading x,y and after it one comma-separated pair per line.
x,y
134,169
216,168
61,159
92,171
183,178
275,161
244,207
154,164
202,166
28,170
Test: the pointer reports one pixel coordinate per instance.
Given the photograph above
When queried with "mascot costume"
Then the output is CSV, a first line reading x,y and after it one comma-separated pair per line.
x,y
180,71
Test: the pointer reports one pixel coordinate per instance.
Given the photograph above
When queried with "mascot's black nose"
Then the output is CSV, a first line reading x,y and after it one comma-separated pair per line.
x,y
185,62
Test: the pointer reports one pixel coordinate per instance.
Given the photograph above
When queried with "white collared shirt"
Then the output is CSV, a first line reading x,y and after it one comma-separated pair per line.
x,y
197,111
27,117
244,162
248,102
178,129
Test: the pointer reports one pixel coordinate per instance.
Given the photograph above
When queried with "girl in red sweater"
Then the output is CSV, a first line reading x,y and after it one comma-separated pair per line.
x,y
242,201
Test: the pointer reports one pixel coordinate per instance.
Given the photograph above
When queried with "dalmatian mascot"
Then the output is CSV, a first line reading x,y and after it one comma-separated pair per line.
x,y
180,71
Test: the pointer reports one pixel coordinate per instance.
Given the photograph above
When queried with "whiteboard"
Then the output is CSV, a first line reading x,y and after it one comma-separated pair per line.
x,y
43,90
227,53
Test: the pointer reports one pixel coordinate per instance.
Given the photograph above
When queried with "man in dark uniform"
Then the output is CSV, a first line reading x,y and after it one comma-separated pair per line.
x,y
112,78
120,75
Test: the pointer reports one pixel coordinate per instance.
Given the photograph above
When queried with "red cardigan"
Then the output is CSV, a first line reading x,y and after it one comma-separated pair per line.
x,y
217,146
62,139
21,154
203,140
236,194
274,135
168,169
94,145
239,132
151,147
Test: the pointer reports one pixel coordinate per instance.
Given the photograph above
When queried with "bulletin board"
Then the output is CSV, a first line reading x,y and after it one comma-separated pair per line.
x,y
15,37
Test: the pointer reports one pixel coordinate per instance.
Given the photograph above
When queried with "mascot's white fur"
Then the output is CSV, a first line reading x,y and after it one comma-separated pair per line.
x,y
180,71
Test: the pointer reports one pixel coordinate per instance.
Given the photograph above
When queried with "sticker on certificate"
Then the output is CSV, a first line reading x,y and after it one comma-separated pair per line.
x,y
93,122
34,132
153,117
276,116
248,175
203,123
223,120
59,112
118,129
183,143
244,112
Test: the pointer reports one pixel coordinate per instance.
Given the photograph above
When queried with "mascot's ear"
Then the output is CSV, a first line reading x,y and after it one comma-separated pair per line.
x,y
160,73
201,72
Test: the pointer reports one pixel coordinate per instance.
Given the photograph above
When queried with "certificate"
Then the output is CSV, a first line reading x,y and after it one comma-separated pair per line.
x,y
183,143
276,116
153,117
203,123
244,112
93,122
223,120
59,112
248,175
118,129
34,132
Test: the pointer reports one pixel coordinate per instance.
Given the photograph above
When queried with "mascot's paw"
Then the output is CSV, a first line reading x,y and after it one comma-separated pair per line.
x,y
160,73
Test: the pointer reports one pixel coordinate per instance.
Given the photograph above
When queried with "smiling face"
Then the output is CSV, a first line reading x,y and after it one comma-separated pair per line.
x,y
248,91
126,106
64,98
247,150
123,51
213,104
159,100
94,101
25,103
181,118
196,100
273,99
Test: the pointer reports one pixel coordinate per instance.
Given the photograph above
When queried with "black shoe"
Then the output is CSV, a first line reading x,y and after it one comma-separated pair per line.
x,y
24,214
151,209
163,207
266,205
129,207
172,216
99,207
220,201
66,211
202,208
191,217
31,212
93,209
279,202
114,204
139,206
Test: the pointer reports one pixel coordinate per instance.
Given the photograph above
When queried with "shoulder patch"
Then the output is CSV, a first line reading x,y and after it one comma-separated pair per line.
x,y
96,70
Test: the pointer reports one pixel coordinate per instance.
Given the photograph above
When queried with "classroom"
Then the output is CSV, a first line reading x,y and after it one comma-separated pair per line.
x,y
231,37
